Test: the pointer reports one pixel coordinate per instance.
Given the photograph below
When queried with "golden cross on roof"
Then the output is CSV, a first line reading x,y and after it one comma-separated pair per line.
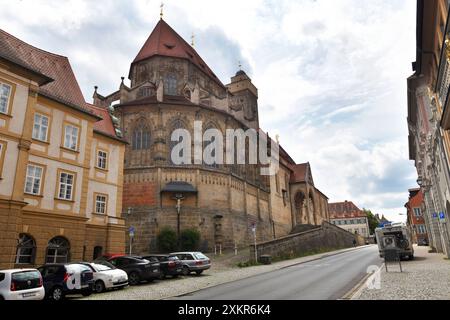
x,y
162,10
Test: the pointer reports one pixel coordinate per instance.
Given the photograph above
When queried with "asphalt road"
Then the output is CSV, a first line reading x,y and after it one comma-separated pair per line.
x,y
329,278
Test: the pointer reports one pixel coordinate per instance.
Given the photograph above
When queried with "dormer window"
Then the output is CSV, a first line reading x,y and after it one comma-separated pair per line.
x,y
144,92
169,46
170,84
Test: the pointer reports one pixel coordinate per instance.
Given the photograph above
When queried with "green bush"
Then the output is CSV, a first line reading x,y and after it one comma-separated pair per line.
x,y
167,240
190,240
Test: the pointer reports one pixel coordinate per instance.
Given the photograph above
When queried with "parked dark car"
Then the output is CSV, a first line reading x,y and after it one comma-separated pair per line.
x,y
170,265
193,262
66,279
137,268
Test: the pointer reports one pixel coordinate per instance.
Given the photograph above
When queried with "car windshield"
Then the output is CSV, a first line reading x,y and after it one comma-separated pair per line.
x,y
101,267
200,256
77,268
173,258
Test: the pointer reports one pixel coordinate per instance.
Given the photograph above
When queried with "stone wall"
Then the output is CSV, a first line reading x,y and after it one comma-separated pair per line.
x,y
325,237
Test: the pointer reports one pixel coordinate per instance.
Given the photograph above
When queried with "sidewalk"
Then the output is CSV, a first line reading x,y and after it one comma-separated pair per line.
x,y
427,277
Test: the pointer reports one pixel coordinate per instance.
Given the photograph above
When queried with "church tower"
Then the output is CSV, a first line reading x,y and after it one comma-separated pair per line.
x,y
243,102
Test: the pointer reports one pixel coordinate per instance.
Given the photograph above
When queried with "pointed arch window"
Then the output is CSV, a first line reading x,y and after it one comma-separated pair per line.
x,y
170,84
206,144
177,124
141,138
26,250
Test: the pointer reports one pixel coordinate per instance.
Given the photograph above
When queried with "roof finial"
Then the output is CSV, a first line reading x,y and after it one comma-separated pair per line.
x,y
193,40
162,10
277,137
240,65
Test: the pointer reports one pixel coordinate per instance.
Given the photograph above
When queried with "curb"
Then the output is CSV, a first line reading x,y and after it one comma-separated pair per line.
x,y
357,290
326,255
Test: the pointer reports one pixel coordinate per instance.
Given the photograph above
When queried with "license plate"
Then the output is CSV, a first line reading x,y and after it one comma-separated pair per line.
x,y
155,270
29,295
178,270
85,286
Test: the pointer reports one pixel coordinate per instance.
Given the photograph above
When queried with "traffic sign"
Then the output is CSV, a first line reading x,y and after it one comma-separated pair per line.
x,y
434,215
442,216
132,231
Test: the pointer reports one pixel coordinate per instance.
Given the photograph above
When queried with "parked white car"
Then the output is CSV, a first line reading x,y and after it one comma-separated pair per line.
x,y
106,276
21,284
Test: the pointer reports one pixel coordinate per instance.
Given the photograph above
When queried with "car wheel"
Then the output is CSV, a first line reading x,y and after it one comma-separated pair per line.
x,y
199,272
56,294
134,278
99,286
185,271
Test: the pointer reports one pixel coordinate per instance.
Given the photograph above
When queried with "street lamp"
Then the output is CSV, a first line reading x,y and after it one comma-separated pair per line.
x,y
420,181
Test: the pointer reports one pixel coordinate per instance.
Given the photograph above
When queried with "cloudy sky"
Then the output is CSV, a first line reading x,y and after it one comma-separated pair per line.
x,y
331,73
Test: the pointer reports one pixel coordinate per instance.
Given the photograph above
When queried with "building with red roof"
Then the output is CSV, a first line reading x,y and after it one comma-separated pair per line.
x,y
348,216
172,87
61,163
415,209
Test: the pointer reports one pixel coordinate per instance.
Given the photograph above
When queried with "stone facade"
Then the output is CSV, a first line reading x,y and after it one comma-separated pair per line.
x,y
50,174
173,88
428,123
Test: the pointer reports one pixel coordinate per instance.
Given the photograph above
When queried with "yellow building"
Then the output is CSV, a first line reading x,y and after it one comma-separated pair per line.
x,y
61,163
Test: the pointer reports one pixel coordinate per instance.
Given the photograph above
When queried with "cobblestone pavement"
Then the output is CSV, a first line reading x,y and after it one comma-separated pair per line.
x,y
427,277
221,272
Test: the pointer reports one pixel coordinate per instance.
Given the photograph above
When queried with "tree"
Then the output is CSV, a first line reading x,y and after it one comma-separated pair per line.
x,y
167,240
373,222
190,240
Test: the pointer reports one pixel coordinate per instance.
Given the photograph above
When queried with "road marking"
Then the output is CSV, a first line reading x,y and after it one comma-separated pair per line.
x,y
357,290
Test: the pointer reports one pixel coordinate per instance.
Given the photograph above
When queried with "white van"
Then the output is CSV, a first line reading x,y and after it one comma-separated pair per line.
x,y
395,236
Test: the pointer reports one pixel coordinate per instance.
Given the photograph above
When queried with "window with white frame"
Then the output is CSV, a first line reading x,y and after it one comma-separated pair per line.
x,y
40,128
102,159
71,137
5,93
33,179
417,212
421,229
100,203
66,183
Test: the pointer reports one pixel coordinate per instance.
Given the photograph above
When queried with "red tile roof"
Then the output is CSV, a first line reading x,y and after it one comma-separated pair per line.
x,y
164,41
301,173
345,209
105,125
63,88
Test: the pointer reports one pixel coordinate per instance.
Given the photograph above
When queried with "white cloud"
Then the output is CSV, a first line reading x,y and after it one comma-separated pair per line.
x,y
331,74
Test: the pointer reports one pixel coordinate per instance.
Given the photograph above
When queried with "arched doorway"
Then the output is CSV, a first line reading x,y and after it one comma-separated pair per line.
x,y
98,252
58,250
311,209
299,208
